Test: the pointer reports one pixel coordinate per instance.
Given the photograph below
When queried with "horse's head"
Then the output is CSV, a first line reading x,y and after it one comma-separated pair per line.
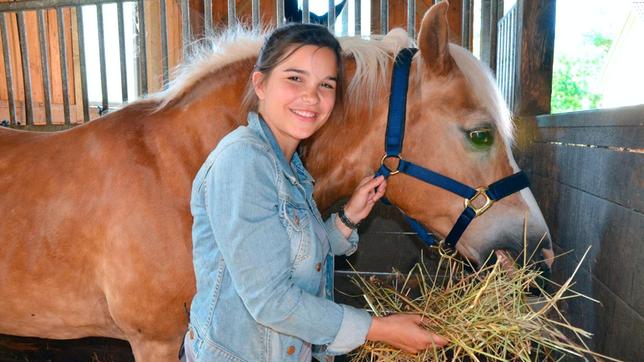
x,y
458,125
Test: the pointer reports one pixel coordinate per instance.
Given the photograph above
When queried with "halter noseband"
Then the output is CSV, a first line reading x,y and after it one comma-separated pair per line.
x,y
393,147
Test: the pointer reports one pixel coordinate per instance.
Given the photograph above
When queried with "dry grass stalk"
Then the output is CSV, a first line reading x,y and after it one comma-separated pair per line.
x,y
486,314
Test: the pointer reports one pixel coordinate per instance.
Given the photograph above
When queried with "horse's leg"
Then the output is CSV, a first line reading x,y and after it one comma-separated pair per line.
x,y
150,350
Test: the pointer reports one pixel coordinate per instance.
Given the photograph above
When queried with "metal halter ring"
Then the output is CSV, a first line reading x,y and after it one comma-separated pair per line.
x,y
382,163
481,191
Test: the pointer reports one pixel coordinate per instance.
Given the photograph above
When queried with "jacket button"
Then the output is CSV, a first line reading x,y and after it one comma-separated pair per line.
x,y
318,266
290,350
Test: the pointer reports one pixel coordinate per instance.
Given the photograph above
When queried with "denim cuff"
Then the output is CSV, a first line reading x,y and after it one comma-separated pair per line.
x,y
353,331
339,244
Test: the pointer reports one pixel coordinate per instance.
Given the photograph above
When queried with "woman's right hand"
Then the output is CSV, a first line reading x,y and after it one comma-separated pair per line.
x,y
405,332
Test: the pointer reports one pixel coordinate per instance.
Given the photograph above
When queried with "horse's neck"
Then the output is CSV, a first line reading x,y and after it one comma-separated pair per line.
x,y
345,150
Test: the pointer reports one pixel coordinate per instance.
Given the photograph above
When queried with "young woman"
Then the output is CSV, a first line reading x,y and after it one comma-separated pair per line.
x,y
263,256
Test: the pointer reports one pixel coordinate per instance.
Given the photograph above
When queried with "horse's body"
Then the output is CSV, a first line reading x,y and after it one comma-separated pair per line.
x,y
95,237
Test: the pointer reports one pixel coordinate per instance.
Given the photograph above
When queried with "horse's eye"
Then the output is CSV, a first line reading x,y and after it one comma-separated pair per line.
x,y
482,137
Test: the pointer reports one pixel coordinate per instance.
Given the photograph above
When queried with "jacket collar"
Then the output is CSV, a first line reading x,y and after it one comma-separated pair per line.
x,y
257,124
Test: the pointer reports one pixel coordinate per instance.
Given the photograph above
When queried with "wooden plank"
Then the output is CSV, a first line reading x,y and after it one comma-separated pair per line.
x,y
578,219
175,37
631,137
622,116
611,175
153,45
536,41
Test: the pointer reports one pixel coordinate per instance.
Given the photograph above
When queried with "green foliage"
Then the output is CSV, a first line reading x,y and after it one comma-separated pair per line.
x,y
574,73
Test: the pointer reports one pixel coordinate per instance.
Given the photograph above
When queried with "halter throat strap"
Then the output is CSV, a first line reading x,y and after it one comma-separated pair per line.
x,y
393,148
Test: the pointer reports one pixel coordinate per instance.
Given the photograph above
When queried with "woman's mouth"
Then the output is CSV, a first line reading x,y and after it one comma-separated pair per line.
x,y
305,115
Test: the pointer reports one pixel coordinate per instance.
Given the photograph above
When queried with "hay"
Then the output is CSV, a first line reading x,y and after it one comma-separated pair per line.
x,y
486,314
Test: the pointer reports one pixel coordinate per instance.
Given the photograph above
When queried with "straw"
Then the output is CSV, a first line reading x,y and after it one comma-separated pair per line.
x,y
486,314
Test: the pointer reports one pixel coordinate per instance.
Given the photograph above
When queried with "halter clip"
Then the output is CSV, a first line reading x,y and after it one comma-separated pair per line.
x,y
481,191
382,163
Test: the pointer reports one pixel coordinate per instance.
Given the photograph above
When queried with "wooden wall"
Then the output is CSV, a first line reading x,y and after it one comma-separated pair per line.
x,y
587,174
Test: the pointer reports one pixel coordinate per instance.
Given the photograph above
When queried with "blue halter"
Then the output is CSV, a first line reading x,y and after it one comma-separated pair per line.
x,y
393,148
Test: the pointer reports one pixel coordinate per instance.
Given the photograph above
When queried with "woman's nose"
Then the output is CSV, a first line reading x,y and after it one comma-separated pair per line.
x,y
310,96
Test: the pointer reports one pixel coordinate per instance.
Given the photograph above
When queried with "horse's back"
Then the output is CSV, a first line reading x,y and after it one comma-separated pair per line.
x,y
57,207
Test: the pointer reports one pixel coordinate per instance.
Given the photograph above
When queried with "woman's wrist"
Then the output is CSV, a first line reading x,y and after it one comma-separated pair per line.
x,y
348,219
374,333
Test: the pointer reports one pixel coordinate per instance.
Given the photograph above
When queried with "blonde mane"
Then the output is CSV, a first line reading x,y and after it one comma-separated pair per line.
x,y
372,57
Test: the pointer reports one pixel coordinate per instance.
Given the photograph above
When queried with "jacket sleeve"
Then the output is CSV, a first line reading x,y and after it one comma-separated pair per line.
x,y
242,204
339,244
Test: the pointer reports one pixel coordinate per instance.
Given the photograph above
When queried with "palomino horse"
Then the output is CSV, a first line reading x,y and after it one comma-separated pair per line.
x,y
95,237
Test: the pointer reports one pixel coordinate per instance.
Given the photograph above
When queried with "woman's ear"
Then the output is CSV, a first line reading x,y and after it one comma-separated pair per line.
x,y
258,84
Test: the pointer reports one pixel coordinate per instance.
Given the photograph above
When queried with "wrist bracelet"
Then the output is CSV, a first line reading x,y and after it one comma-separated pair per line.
x,y
346,221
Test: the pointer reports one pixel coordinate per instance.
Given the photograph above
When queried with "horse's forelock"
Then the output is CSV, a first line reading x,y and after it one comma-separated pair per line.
x,y
372,58
484,88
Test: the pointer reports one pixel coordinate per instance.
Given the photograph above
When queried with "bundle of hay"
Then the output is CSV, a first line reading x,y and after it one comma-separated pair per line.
x,y
486,314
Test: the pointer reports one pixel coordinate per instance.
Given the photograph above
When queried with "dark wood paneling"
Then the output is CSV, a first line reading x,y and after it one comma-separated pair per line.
x,y
623,116
616,234
618,329
612,175
627,137
21,349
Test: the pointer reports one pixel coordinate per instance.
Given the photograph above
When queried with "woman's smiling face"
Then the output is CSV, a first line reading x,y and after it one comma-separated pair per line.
x,y
297,97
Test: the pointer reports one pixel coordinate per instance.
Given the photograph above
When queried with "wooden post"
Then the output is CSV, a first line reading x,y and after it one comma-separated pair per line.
x,y
535,50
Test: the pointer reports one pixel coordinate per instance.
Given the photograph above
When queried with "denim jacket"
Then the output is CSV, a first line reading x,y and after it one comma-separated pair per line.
x,y
259,265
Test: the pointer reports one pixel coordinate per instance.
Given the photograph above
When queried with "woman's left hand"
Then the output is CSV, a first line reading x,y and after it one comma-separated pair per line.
x,y
368,191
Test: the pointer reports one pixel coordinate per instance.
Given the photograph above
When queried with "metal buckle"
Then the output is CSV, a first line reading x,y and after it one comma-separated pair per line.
x,y
382,163
481,191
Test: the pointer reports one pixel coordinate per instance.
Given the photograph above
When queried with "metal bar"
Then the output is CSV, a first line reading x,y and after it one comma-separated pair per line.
x,y
466,24
7,69
44,64
63,62
48,4
81,53
331,16
306,13
164,42
255,14
384,16
411,18
124,95
142,54
185,23
493,34
207,13
357,18
101,55
232,16
279,12
26,74
344,15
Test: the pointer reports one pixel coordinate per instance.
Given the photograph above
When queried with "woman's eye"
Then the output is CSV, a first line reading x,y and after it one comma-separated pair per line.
x,y
481,137
327,85
295,78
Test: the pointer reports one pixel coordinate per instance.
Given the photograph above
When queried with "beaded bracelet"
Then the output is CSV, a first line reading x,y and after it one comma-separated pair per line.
x,y
346,221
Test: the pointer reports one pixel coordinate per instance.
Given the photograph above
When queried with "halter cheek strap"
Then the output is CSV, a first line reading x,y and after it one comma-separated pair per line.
x,y
393,148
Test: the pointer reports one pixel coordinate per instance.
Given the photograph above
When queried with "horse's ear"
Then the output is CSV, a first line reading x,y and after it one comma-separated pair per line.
x,y
433,39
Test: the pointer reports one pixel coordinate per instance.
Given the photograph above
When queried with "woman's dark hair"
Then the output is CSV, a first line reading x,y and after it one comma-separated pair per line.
x,y
283,42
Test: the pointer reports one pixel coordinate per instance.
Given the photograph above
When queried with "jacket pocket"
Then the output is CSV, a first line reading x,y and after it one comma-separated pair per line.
x,y
206,350
297,221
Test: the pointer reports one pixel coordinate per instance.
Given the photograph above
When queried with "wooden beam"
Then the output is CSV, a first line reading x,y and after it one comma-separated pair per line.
x,y
535,43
